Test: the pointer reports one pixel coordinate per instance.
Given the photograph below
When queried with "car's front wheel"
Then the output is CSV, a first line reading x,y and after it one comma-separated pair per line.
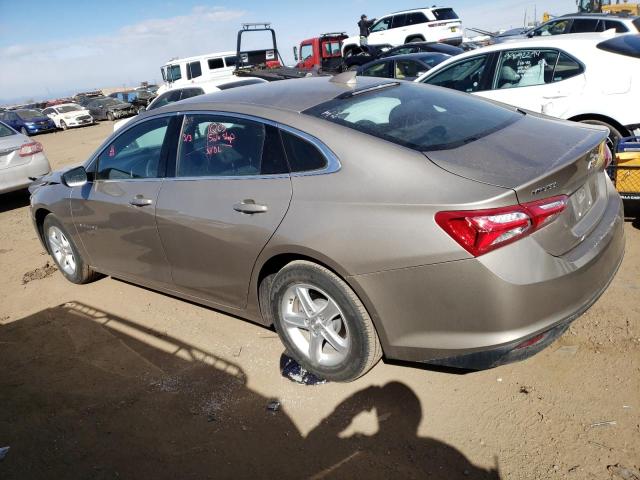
x,y
110,117
322,323
63,125
65,253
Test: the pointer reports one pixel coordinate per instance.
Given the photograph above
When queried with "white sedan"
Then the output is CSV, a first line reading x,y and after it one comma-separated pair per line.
x,y
68,115
590,78
20,158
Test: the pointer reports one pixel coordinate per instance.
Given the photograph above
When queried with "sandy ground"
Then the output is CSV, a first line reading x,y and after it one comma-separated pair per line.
x,y
109,380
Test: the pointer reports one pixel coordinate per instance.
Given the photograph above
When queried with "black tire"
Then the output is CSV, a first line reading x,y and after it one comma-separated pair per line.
x,y
614,134
364,349
24,131
83,273
63,125
110,117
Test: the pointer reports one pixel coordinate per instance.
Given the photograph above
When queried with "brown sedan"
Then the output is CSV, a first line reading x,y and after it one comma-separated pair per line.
x,y
359,218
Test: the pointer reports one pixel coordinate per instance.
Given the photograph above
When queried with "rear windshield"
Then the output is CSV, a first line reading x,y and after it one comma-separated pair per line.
x,y
29,114
5,131
445,14
417,116
628,45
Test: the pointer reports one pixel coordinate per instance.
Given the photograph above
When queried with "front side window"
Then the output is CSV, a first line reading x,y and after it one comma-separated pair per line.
x,y
557,27
583,25
466,76
416,116
190,92
408,69
135,153
220,146
194,70
381,69
174,73
331,49
525,68
306,51
165,99
215,63
382,25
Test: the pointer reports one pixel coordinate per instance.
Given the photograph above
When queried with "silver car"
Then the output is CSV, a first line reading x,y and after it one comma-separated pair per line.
x,y
20,158
359,217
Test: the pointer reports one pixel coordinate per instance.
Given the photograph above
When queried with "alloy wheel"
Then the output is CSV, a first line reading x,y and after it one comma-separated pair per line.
x,y
61,250
315,324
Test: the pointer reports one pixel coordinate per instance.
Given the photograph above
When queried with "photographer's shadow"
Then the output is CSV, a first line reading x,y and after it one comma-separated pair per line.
x,y
395,450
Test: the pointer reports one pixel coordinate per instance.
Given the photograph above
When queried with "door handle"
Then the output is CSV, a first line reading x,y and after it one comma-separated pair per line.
x,y
249,206
140,201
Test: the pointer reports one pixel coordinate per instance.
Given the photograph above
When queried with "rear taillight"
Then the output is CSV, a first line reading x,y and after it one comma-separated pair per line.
x,y
608,156
30,149
480,231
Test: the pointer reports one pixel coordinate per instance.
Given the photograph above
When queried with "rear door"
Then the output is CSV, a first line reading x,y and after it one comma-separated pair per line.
x,y
230,192
541,80
115,212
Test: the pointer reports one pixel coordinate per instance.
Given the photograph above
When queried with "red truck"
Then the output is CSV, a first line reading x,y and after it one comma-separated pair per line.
x,y
323,53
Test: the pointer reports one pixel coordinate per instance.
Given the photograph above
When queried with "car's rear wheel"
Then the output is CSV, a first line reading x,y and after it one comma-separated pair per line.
x,y
322,323
65,253
63,125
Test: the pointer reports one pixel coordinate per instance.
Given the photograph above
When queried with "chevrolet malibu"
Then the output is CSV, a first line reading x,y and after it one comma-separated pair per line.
x,y
359,217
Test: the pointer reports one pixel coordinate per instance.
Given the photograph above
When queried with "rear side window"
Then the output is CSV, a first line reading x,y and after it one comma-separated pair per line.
x,y
230,61
445,14
220,146
416,116
416,18
194,70
215,63
636,23
399,20
165,99
628,45
190,92
566,67
302,155
619,26
5,131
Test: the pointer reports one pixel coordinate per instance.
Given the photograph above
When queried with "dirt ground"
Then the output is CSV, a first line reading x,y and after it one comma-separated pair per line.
x,y
109,380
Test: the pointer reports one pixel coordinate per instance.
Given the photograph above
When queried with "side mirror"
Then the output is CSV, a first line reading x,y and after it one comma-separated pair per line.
x,y
295,53
76,177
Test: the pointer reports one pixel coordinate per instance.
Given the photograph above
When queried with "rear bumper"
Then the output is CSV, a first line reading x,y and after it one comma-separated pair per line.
x,y
16,178
472,313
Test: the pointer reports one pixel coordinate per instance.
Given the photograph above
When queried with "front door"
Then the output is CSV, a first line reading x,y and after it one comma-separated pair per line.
x,y
230,192
115,213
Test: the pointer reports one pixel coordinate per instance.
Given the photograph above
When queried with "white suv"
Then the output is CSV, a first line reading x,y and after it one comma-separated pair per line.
x,y
437,24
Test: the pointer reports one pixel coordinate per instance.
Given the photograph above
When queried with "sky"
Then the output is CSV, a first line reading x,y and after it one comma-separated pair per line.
x,y
50,49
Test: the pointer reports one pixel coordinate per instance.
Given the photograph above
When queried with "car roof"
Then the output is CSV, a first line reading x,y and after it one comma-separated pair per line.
x,y
617,16
68,104
295,95
409,56
205,56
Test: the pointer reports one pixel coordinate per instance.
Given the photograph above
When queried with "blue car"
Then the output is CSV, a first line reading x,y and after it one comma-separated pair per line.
x,y
28,122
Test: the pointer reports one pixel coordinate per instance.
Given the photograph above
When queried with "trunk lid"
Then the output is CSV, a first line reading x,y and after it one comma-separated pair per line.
x,y
540,158
9,148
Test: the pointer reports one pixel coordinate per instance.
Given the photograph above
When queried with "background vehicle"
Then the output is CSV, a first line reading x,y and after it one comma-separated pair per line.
x,y
608,6
417,261
578,23
67,115
625,171
182,72
559,76
20,158
321,53
418,25
138,98
178,94
106,108
28,122
403,67
374,52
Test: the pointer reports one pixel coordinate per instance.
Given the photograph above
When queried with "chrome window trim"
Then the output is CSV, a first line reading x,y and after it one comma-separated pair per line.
x,y
333,164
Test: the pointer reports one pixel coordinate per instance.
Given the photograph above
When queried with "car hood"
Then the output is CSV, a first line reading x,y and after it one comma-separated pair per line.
x,y
44,118
124,106
74,115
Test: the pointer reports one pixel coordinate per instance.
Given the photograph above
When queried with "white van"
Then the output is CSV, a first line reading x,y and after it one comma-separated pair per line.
x,y
182,72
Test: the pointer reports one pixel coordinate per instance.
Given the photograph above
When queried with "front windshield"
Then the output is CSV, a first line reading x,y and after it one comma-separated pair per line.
x,y
5,131
29,114
417,116
68,108
111,101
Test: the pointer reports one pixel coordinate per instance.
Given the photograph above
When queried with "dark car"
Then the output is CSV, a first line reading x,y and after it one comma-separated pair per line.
x,y
403,67
138,98
420,47
28,122
107,108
